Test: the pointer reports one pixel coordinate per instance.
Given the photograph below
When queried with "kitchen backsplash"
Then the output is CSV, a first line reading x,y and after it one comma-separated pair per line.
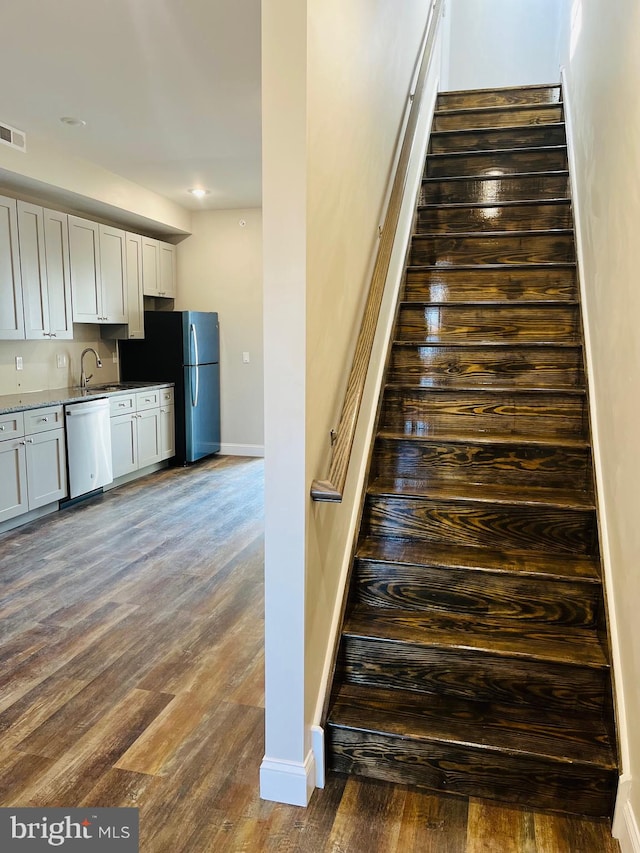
x,y
40,370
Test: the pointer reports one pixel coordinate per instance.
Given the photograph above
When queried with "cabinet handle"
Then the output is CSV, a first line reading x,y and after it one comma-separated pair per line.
x,y
29,441
45,420
22,442
122,405
53,334
3,427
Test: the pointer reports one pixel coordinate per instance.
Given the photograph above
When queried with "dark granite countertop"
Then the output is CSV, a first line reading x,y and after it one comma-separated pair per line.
x,y
60,396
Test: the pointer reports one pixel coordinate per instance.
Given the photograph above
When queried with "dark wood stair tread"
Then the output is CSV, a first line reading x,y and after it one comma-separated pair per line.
x,y
511,176
435,385
502,268
435,341
482,492
502,128
499,108
486,439
525,149
521,202
501,637
408,552
512,730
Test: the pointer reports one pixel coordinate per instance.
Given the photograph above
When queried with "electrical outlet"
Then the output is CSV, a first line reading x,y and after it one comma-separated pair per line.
x,y
245,358
19,364
61,360
114,357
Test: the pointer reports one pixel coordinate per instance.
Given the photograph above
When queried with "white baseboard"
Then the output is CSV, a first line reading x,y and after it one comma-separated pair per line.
x,y
242,449
317,746
289,782
625,824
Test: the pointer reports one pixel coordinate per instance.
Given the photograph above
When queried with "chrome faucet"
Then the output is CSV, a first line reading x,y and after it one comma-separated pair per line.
x,y
84,379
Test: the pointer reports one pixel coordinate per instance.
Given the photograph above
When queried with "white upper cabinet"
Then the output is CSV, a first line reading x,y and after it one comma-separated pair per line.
x,y
158,268
167,267
84,254
150,266
44,262
11,314
134,285
98,272
113,274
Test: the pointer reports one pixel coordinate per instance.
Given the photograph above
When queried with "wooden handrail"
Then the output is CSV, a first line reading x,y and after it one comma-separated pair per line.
x,y
332,488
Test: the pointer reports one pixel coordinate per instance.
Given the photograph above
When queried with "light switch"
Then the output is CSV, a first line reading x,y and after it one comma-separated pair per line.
x,y
19,364
61,359
245,358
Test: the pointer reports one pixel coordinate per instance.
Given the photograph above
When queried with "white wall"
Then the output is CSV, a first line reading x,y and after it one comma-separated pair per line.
x,y
220,269
40,363
497,43
336,78
603,76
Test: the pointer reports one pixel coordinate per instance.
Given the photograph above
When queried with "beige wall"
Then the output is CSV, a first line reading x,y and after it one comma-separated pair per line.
x,y
40,362
47,172
220,269
361,59
603,75
336,77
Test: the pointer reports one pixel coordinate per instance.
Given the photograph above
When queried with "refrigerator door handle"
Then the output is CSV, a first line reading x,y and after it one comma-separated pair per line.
x,y
193,332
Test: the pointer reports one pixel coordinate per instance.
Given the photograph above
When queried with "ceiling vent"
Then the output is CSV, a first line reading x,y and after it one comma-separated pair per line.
x,y
12,137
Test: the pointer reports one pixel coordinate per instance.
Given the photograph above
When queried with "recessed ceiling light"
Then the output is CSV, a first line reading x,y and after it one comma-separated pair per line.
x,y
198,192
72,121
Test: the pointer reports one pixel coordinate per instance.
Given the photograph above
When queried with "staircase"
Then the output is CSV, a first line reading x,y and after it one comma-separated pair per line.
x,y
473,656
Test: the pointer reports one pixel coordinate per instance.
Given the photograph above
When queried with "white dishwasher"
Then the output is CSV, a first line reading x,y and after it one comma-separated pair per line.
x,y
88,446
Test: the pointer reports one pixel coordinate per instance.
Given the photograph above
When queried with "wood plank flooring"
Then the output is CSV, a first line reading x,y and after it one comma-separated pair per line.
x,y
131,648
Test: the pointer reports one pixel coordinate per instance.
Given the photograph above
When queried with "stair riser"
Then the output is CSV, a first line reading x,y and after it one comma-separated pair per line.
x,y
532,782
492,190
504,97
471,674
484,367
522,285
458,462
453,590
476,523
521,217
492,138
486,162
488,324
507,117
505,248
435,413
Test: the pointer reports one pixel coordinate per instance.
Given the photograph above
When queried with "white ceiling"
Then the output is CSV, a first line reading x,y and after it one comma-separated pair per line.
x,y
169,89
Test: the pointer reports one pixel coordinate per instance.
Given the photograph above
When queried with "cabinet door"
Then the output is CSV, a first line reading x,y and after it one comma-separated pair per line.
x,y
113,275
135,298
167,267
148,437
33,271
11,314
46,468
13,476
84,260
56,244
124,444
167,432
150,262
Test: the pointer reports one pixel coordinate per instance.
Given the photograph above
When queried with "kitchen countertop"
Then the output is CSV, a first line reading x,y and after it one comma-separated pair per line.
x,y
60,396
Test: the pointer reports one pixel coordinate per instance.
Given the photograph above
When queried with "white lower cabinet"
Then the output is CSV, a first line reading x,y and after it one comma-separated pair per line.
x,y
32,461
141,434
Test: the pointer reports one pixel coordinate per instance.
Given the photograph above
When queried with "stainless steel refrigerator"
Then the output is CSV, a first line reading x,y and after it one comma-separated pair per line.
x,y
182,347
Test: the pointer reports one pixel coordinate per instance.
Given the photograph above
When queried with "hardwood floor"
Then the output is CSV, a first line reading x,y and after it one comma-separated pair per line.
x,y
131,647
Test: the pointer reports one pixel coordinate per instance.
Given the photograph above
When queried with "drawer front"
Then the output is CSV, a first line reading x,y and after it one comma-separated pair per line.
x,y
42,420
12,425
166,396
148,400
122,404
